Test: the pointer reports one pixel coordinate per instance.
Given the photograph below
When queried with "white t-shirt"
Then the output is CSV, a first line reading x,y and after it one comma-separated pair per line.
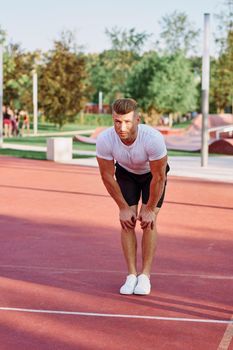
x,y
149,145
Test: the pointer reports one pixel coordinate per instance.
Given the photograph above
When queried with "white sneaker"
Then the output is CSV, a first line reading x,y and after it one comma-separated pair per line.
x,y
130,283
143,286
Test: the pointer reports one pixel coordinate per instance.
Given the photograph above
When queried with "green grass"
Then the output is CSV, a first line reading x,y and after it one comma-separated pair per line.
x,y
23,154
49,127
183,154
182,125
31,154
42,141
94,119
42,155
29,140
82,122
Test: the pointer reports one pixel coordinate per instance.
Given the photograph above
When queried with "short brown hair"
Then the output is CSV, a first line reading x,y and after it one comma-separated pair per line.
x,y
124,106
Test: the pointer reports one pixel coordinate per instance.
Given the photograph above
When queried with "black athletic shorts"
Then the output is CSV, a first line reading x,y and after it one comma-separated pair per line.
x,y
133,186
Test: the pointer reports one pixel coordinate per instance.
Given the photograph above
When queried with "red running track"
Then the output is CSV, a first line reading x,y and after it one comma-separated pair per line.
x,y
60,251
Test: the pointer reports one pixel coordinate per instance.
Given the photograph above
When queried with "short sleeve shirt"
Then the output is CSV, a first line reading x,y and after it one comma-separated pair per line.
x,y
149,145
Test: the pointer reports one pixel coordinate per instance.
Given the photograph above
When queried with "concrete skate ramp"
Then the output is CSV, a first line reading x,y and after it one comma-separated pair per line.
x,y
222,146
89,139
190,138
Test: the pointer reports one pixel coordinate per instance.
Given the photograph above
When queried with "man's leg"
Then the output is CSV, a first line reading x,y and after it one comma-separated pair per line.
x,y
129,247
148,251
149,239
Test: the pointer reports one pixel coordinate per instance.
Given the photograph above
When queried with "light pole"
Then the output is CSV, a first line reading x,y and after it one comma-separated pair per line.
x,y
35,102
100,102
1,95
205,91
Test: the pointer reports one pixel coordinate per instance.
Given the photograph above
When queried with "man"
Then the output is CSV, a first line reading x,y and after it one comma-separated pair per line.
x,y
141,166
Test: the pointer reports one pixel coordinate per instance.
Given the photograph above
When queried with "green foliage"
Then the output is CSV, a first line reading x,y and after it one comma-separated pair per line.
x,y
168,83
163,84
221,87
17,80
178,33
173,85
3,35
220,84
109,71
196,68
62,83
225,25
138,84
127,40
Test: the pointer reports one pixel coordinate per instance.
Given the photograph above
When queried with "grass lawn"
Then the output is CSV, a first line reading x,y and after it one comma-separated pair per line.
x,y
182,125
42,141
49,127
31,154
42,155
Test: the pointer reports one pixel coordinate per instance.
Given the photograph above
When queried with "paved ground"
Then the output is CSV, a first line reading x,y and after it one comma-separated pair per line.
x,y
61,264
220,168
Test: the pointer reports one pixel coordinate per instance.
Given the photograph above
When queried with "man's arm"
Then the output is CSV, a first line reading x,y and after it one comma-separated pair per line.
x,y
107,171
158,171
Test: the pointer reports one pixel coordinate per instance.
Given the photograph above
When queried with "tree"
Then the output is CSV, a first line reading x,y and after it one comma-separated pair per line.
x,y
221,91
229,58
163,85
178,34
17,79
62,82
127,40
3,36
15,73
225,25
109,70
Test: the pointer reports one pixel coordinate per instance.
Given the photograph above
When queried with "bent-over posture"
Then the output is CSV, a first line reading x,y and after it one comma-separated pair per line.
x,y
132,159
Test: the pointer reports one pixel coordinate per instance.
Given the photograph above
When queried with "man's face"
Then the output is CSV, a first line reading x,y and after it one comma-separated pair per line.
x,y
126,125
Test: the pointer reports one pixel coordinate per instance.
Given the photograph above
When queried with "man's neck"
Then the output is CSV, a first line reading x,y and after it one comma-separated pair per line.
x,y
130,140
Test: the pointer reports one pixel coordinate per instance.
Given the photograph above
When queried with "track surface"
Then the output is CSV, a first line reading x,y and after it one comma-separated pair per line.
x,y
61,264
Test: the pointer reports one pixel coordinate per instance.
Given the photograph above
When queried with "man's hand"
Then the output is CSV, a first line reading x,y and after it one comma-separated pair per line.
x,y
146,217
127,218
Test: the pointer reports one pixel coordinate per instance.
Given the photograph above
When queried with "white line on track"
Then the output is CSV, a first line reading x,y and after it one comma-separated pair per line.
x,y
61,270
93,314
227,337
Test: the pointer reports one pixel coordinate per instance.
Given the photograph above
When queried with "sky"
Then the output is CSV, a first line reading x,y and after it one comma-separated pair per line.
x,y
35,24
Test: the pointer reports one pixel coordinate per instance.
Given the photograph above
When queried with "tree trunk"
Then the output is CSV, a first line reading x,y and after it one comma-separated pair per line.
x,y
152,117
170,120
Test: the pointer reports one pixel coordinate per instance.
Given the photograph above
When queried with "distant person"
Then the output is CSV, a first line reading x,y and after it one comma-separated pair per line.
x,y
25,122
7,124
13,122
132,159
17,121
